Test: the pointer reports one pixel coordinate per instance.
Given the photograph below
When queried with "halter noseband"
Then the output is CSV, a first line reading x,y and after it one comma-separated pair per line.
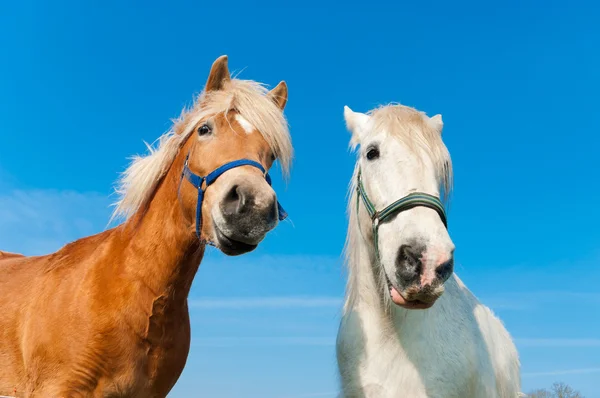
x,y
197,181
408,202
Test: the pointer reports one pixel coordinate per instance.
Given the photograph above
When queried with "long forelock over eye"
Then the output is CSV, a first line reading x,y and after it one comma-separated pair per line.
x,y
410,126
249,98
251,101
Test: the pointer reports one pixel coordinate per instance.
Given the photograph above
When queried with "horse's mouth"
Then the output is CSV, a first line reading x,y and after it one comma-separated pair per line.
x,y
232,247
401,301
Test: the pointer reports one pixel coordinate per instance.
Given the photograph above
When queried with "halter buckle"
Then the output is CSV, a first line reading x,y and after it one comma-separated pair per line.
x,y
375,219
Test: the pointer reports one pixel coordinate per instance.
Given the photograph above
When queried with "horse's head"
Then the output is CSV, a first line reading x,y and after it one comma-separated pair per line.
x,y
403,165
234,120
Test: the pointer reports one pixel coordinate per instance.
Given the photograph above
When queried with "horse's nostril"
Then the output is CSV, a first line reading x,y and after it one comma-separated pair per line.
x,y
444,270
246,209
236,200
233,195
272,212
406,254
408,265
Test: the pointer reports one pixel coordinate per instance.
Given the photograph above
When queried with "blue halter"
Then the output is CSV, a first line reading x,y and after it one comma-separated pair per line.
x,y
209,179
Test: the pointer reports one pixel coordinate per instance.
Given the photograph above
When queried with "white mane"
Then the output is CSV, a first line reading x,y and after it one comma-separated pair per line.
x,y
247,97
355,252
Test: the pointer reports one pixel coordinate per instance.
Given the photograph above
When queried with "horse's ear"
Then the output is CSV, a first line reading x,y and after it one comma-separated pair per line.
x,y
219,74
357,124
437,123
279,95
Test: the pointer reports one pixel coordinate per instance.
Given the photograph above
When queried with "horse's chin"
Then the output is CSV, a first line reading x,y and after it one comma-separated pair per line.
x,y
400,301
232,247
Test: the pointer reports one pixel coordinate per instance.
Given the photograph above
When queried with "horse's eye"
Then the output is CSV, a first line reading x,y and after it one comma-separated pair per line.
x,y
373,153
204,129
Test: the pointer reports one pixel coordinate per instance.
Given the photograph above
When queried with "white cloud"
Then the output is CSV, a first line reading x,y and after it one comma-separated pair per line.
x,y
544,342
265,302
36,222
263,341
562,372
521,301
315,395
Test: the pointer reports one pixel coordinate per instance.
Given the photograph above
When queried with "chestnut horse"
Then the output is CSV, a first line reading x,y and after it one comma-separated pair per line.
x,y
107,315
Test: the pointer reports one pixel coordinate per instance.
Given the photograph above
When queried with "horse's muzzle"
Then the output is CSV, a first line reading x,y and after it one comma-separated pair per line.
x,y
248,213
419,283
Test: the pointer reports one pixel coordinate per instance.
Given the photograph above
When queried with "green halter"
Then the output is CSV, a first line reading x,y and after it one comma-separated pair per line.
x,y
408,202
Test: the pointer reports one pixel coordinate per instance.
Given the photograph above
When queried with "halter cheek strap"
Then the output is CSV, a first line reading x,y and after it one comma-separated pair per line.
x,y
408,202
197,181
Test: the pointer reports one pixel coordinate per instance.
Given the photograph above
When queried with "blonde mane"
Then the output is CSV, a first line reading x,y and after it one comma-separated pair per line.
x,y
247,97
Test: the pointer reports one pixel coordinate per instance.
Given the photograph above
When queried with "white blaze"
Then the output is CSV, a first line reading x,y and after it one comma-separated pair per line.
x,y
248,128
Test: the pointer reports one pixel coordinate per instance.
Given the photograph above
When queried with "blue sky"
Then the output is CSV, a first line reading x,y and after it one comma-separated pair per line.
x,y
83,84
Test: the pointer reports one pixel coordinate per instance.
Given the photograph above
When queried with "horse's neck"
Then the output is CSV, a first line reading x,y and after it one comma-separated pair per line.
x,y
363,290
161,250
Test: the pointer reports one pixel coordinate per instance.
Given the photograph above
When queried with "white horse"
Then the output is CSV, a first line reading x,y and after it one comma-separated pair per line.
x,y
393,341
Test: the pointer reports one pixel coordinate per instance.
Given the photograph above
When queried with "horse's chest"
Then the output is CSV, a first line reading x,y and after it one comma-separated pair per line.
x,y
159,358
404,365
396,374
168,348
155,368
